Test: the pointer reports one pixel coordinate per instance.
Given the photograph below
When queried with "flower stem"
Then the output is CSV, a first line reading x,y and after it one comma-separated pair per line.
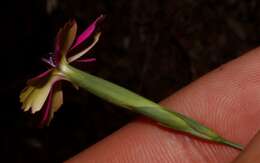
x,y
132,101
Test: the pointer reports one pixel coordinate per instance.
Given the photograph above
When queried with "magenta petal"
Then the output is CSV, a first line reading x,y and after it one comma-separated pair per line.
x,y
46,109
82,37
40,77
86,60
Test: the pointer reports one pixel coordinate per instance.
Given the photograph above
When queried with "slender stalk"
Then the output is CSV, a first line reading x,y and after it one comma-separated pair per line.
x,y
132,101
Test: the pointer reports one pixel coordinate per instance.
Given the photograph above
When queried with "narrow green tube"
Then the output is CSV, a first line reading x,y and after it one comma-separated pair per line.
x,y
132,101
105,89
123,97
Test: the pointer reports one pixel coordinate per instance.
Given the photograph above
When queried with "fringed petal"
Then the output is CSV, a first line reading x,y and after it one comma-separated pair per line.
x,y
34,96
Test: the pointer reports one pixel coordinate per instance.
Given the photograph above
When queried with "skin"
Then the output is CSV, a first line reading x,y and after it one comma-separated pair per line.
x,y
226,99
251,153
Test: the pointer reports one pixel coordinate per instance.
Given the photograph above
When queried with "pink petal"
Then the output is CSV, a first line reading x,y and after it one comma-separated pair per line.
x,y
46,109
82,37
40,78
86,60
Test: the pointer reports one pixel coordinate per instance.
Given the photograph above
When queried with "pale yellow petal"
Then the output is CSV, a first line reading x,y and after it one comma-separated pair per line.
x,y
27,103
34,96
57,100
25,93
40,95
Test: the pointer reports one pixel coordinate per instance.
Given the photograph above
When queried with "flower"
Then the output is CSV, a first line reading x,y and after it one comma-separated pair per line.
x,y
43,92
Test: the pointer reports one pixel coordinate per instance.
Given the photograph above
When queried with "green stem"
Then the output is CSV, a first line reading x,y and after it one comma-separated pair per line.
x,y
130,100
105,89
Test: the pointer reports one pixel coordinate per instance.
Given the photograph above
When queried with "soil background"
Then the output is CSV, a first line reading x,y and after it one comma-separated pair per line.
x,y
152,47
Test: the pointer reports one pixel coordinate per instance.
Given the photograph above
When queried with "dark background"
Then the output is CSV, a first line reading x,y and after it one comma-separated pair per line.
x,y
153,47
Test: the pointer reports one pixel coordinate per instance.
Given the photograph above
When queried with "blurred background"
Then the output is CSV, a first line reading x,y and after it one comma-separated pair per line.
x,y
152,47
